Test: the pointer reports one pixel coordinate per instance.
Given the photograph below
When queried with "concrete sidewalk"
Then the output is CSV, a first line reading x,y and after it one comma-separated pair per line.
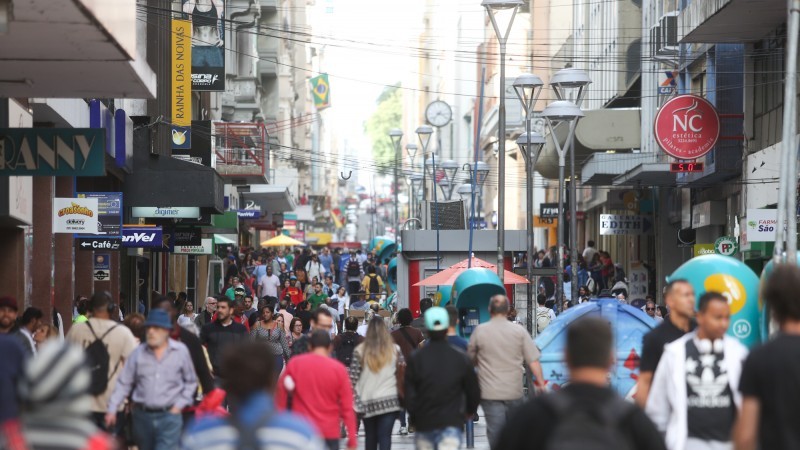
x,y
407,442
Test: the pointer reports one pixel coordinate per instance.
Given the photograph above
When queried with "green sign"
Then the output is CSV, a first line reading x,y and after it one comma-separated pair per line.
x,y
726,246
71,152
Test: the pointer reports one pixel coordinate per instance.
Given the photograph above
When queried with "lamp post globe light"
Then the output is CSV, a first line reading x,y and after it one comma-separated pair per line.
x,y
571,84
450,169
444,185
494,8
558,113
528,88
396,136
415,180
411,149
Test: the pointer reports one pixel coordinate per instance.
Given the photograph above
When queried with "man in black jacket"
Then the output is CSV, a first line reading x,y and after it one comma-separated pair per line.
x,y
218,335
441,388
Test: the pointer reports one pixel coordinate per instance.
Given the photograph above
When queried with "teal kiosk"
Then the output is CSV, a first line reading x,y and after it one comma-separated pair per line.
x,y
471,293
383,247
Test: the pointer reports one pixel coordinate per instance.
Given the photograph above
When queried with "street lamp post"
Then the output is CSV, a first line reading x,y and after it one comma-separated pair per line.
x,y
558,112
493,8
570,84
528,87
530,144
396,135
424,134
416,182
450,169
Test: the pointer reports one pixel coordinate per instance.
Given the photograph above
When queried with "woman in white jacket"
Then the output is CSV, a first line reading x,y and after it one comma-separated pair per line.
x,y
694,398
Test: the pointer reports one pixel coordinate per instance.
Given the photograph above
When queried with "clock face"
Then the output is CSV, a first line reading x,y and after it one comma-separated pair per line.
x,y
439,113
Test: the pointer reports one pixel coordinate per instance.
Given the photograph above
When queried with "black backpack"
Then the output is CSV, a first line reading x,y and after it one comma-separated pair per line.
x,y
347,345
584,429
99,360
353,268
374,286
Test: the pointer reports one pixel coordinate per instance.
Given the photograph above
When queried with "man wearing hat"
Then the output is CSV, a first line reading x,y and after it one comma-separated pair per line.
x,y
237,288
160,378
441,388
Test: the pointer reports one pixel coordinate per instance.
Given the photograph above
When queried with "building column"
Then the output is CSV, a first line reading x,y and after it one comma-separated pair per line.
x,y
64,264
42,258
84,283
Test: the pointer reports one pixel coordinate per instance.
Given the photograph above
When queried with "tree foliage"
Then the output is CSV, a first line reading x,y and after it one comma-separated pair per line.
x,y
388,115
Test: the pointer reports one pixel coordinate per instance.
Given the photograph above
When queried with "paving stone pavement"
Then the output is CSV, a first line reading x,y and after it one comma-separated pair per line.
x,y
407,442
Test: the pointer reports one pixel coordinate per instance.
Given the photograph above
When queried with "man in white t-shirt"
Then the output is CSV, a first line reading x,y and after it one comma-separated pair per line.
x,y
268,286
589,252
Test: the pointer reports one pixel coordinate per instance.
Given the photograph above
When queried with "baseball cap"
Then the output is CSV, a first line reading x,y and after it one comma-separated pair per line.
x,y
437,319
292,277
239,291
9,302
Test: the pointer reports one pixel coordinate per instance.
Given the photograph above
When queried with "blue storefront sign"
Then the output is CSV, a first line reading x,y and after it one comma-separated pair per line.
x,y
119,132
248,213
64,152
142,237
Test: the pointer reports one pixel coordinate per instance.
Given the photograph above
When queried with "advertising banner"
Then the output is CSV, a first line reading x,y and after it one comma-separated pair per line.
x,y
61,152
187,236
613,224
75,215
142,237
208,43
181,74
761,225
248,213
109,213
166,212
206,248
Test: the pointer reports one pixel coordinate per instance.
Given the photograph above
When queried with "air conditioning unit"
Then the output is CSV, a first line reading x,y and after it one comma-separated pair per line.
x,y
668,30
655,40
451,215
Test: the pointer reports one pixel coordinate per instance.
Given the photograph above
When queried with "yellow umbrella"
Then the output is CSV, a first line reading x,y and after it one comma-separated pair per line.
x,y
282,240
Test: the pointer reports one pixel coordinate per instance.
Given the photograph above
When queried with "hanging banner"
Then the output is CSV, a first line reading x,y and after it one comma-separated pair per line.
x,y
321,91
208,43
75,215
181,64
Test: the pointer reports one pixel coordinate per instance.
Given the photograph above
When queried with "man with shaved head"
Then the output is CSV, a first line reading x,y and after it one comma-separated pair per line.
x,y
499,348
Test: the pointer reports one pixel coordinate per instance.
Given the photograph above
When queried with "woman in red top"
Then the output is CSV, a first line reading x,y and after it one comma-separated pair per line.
x,y
292,291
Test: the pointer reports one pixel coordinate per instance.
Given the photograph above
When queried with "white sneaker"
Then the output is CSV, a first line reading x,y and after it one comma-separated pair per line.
x,y
403,431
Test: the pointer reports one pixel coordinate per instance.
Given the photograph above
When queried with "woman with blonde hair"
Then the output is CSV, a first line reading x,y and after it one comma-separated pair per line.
x,y
377,374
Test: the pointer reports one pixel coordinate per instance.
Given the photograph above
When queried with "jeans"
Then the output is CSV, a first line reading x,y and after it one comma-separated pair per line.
x,y
403,422
442,439
332,444
496,412
378,431
156,430
207,56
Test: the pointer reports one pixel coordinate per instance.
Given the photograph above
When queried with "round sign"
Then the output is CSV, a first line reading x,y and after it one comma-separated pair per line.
x,y
687,127
726,246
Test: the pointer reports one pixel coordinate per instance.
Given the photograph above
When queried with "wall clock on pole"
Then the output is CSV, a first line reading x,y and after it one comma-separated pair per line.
x,y
438,113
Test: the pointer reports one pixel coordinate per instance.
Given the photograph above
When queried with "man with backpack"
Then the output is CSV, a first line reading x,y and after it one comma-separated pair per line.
x,y
353,273
372,284
108,345
586,414
544,315
345,343
254,422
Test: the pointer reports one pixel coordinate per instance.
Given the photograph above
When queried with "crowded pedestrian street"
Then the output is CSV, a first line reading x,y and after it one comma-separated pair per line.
x,y
376,225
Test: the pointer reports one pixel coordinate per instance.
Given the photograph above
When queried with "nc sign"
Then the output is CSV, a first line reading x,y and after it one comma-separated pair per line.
x,y
142,237
52,152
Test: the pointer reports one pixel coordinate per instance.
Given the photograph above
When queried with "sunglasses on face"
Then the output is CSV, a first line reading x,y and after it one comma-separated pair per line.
x,y
651,309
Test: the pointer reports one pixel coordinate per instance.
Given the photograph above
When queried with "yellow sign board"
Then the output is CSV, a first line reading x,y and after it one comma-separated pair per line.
x,y
181,72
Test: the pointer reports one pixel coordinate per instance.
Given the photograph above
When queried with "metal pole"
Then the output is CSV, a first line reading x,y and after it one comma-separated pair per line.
x,y
436,205
573,219
501,165
396,207
789,131
529,221
560,238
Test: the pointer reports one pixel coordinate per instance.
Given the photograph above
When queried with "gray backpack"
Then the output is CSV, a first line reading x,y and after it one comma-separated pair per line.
x,y
585,429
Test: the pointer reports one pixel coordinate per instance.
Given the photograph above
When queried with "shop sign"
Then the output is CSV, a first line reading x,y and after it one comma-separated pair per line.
x,y
99,243
75,215
102,266
249,213
119,132
704,249
613,224
166,212
109,214
762,224
142,237
687,127
550,210
181,65
208,45
187,236
69,152
726,246
205,249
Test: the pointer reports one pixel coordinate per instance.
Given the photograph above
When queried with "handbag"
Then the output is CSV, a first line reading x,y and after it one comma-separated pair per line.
x,y
400,376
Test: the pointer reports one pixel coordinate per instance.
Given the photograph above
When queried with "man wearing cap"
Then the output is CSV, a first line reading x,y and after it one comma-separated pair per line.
x,y
235,288
441,387
159,377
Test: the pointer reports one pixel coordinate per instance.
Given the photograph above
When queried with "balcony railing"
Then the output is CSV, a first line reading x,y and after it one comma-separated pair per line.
x,y
242,151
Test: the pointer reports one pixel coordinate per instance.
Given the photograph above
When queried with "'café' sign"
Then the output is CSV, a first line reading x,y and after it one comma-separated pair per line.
x,y
52,151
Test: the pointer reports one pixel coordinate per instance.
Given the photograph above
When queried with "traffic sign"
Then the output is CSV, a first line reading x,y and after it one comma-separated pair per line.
x,y
99,244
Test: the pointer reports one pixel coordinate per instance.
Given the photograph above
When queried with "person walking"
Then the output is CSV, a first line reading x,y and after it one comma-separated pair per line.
x,y
452,335
266,329
108,346
441,387
318,297
160,379
679,296
28,324
376,373
694,397
319,319
419,322
498,349
218,335
372,284
408,339
255,422
268,286
771,394
188,316
544,315
204,317
317,388
586,413
314,268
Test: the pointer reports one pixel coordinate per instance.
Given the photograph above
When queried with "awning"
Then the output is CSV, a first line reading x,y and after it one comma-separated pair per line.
x,y
165,181
225,239
73,49
270,198
648,174
599,131
600,169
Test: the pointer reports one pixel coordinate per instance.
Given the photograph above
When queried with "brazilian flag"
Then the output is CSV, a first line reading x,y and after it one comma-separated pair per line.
x,y
321,91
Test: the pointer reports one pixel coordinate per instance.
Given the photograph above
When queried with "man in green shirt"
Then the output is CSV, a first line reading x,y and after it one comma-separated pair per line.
x,y
318,297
